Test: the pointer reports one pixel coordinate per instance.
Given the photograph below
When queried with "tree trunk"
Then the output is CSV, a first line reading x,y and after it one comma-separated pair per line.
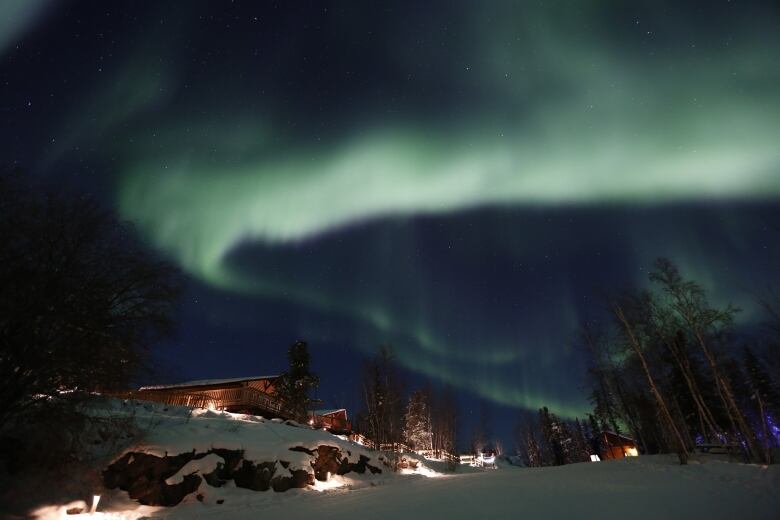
x,y
712,431
724,391
682,452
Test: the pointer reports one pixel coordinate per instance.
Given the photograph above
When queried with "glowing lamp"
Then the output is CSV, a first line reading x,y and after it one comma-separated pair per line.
x,y
594,458
632,452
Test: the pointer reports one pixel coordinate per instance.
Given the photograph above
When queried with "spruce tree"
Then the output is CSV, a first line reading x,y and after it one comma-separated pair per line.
x,y
297,382
760,383
534,452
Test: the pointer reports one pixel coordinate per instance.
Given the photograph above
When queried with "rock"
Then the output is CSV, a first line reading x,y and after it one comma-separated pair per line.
x,y
224,472
143,477
358,467
302,449
300,479
255,476
328,461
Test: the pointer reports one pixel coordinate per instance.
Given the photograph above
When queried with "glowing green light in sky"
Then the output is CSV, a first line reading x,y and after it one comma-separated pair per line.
x,y
564,118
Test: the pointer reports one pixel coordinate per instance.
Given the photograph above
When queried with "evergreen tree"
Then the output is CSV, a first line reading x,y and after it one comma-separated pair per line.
x,y
417,432
581,447
596,443
297,382
760,383
533,452
555,437
764,401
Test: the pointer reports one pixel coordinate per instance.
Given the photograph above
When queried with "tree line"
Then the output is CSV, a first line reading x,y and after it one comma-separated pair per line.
x,y
673,371
424,421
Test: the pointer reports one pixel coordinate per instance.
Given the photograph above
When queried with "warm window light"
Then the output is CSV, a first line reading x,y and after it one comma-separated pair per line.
x,y
632,452
594,458
95,500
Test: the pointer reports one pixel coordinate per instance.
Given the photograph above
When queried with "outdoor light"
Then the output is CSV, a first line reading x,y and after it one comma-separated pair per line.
x,y
95,500
594,458
632,452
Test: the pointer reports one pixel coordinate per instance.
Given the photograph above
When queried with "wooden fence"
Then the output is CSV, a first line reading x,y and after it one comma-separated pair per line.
x,y
438,455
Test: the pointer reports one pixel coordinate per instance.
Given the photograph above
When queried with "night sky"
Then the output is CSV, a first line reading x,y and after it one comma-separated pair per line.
x,y
459,180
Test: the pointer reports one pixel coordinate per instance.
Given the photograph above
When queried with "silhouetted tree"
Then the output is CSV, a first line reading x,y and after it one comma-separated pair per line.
x,y
444,417
82,302
706,326
383,398
298,382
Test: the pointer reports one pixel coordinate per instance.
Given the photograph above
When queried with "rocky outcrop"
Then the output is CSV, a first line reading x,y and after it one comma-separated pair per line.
x,y
144,476
329,460
224,472
256,477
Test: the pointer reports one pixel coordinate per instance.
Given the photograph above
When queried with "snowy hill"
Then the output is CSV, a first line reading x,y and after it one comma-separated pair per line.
x,y
358,484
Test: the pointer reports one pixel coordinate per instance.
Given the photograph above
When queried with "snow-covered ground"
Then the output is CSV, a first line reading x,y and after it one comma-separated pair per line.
x,y
649,487
642,487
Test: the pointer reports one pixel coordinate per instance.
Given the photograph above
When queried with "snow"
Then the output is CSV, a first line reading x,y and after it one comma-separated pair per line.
x,y
207,382
201,466
651,487
639,488
172,430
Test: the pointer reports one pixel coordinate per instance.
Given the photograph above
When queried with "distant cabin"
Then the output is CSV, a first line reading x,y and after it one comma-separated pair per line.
x,y
332,419
616,446
251,395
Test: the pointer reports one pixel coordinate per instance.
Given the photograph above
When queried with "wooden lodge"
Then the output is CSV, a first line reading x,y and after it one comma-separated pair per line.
x,y
616,446
250,395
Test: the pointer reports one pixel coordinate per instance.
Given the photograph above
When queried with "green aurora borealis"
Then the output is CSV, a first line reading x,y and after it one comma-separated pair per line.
x,y
445,181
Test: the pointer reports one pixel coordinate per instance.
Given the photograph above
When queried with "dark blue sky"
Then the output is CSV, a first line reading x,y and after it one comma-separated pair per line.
x,y
458,181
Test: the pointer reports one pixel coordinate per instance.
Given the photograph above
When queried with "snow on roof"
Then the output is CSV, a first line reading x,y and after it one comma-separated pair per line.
x,y
619,435
207,382
329,411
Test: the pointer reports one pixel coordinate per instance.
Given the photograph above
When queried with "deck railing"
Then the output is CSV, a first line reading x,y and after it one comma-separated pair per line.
x,y
220,399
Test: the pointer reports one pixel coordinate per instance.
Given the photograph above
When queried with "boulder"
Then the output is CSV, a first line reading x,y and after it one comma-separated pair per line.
x,y
224,472
143,477
299,478
253,476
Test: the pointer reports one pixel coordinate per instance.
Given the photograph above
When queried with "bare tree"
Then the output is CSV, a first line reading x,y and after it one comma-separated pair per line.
x,y
444,417
638,348
82,302
383,398
687,300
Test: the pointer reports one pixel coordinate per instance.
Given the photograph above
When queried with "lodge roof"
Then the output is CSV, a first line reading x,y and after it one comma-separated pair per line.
x,y
329,411
207,382
619,436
